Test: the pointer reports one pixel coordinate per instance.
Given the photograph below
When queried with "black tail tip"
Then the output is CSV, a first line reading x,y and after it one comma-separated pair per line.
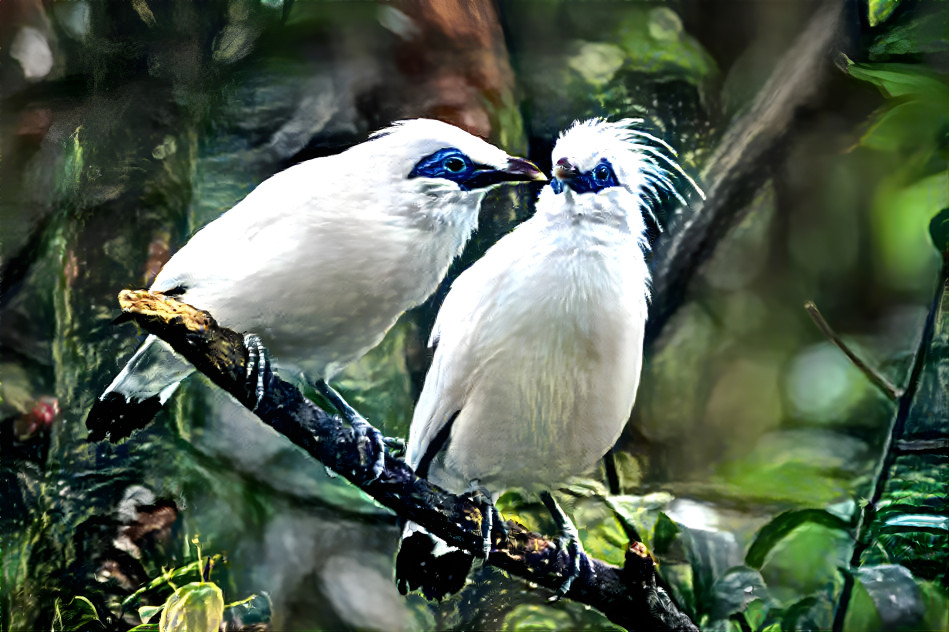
x,y
114,418
437,577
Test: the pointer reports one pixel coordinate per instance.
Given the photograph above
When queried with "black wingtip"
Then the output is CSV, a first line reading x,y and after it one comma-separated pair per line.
x,y
416,568
114,417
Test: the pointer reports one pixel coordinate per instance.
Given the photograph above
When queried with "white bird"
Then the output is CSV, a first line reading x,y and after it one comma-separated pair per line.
x,y
538,345
321,259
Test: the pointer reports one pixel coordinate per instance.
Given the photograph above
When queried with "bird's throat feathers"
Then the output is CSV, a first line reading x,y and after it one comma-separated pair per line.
x,y
611,218
444,208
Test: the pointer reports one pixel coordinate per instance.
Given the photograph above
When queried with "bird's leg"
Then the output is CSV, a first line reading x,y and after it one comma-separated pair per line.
x,y
489,516
370,441
258,366
569,539
612,475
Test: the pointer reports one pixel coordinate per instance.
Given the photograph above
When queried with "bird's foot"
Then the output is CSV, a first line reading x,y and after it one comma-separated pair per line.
x,y
489,517
258,367
569,540
369,441
395,446
372,448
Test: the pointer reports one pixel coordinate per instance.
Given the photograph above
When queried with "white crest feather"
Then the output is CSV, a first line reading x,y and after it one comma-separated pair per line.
x,y
638,151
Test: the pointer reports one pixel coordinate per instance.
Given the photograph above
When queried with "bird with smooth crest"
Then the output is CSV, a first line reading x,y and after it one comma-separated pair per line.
x,y
321,259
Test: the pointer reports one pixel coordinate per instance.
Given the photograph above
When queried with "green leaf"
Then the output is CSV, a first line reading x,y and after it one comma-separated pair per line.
x,y
192,568
145,627
861,614
937,607
195,607
639,514
663,534
879,10
145,613
783,524
897,80
78,614
908,126
736,589
680,580
755,613
710,554
939,231
896,597
601,535
900,211
790,617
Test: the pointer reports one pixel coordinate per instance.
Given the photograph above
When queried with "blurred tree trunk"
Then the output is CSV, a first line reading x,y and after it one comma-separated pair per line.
x,y
120,204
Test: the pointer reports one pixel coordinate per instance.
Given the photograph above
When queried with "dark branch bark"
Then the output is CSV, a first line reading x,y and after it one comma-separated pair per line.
x,y
739,166
628,596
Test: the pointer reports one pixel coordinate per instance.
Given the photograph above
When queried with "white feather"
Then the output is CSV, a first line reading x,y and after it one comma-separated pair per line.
x,y
539,343
321,259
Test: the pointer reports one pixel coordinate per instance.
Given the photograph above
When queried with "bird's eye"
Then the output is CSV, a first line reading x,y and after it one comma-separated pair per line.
x,y
601,173
453,164
449,164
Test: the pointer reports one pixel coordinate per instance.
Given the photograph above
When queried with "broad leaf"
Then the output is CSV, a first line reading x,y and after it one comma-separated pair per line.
x,y
78,614
783,524
737,588
195,607
145,613
897,598
898,80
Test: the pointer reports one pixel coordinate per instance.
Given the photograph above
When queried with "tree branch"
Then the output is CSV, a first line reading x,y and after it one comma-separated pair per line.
x,y
628,596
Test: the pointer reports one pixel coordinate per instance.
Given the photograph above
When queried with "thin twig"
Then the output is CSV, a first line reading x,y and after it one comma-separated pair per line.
x,y
890,448
886,387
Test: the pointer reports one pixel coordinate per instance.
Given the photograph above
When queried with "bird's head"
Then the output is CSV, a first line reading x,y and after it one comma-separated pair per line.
x,y
596,161
438,158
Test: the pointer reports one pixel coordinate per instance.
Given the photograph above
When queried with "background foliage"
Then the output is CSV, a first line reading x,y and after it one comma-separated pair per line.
x,y
755,448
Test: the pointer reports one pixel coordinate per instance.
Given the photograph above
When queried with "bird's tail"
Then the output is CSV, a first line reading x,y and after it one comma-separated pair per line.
x,y
427,563
137,392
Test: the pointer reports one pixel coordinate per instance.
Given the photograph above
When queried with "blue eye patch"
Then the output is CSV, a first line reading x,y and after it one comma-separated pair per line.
x,y
595,180
449,163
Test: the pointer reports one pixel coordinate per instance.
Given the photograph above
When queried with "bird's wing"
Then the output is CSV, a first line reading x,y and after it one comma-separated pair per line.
x,y
468,314
251,234
138,391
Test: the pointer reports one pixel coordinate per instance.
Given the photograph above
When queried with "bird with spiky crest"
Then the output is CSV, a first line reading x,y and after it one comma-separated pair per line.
x,y
539,345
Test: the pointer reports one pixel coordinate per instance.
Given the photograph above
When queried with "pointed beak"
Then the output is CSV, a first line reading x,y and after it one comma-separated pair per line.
x,y
564,172
524,171
517,170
